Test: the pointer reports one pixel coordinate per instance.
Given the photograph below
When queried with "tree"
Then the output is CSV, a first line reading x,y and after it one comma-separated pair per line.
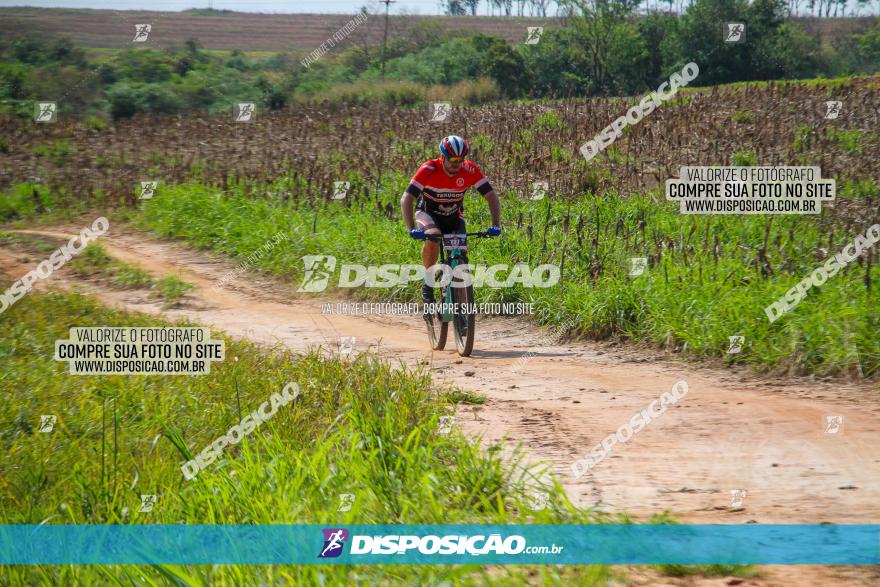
x,y
472,5
599,25
502,63
455,7
697,36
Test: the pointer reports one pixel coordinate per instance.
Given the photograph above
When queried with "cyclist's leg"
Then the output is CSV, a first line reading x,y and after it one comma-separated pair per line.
x,y
430,250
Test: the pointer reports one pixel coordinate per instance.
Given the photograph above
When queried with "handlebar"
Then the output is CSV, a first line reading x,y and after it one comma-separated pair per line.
x,y
431,237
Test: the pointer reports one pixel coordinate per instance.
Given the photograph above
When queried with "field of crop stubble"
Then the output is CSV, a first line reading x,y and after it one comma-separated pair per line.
x,y
709,277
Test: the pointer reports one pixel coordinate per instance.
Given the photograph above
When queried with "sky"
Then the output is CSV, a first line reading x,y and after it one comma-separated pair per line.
x,y
317,6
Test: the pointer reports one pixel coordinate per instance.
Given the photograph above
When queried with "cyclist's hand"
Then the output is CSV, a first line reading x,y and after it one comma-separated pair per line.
x,y
417,234
494,231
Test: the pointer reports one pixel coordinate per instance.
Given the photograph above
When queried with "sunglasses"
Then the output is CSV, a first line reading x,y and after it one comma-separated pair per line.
x,y
455,159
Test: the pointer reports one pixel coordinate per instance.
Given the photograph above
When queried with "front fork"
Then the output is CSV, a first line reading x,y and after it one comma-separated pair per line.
x,y
455,259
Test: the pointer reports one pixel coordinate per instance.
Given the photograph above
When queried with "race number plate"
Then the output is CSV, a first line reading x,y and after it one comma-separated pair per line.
x,y
454,242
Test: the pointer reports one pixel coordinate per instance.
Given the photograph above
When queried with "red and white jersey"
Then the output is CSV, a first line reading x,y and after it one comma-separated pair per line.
x,y
442,195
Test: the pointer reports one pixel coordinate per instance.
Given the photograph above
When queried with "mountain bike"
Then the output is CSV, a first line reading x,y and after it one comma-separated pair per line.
x,y
456,299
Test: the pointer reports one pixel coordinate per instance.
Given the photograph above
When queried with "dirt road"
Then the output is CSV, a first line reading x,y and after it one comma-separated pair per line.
x,y
731,431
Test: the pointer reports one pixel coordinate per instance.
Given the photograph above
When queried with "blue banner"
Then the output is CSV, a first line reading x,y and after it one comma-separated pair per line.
x,y
441,544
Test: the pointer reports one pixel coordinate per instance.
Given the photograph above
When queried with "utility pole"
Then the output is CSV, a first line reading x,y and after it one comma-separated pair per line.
x,y
385,36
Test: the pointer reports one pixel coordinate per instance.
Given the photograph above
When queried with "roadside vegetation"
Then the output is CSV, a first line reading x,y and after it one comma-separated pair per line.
x,y
708,277
358,427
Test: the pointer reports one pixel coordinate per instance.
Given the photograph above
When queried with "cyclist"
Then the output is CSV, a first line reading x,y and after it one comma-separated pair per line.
x,y
439,185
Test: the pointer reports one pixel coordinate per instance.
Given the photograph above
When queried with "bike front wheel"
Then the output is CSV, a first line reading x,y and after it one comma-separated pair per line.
x,y
437,332
464,320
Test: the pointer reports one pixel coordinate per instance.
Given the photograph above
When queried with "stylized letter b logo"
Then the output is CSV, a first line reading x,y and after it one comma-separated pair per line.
x,y
334,540
317,272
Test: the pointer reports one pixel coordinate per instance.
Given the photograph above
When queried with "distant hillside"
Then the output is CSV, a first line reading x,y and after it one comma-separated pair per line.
x,y
276,32
235,30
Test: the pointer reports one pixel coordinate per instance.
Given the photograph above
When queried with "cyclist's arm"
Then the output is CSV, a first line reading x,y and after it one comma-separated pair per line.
x,y
482,185
406,208
412,191
494,207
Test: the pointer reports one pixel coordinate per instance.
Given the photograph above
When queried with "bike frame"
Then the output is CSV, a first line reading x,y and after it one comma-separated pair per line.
x,y
453,259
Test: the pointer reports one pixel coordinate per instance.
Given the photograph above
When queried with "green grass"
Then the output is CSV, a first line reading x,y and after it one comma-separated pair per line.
x,y
460,396
94,261
57,151
743,116
358,427
709,570
691,298
127,277
851,141
744,158
27,242
172,289
803,139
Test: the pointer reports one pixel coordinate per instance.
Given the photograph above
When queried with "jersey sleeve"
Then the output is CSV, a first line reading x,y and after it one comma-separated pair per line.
x,y
417,183
478,179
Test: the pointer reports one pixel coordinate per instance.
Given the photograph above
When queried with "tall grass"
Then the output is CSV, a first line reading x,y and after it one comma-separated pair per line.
x,y
358,427
404,93
709,277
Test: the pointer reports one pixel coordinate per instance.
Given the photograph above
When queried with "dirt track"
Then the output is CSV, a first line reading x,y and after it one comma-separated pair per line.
x,y
731,430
